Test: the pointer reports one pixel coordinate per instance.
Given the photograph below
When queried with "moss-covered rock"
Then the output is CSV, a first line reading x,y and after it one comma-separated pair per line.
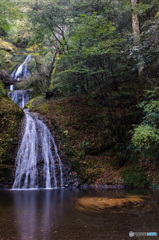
x,y
34,102
6,46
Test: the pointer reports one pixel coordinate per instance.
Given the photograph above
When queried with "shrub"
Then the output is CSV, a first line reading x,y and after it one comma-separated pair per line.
x,y
134,178
145,137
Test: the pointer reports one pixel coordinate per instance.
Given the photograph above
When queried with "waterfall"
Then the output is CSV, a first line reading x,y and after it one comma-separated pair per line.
x,y
37,163
11,87
26,159
22,70
20,97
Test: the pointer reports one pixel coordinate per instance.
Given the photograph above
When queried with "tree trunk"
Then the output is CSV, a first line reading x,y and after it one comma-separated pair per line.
x,y
135,22
136,33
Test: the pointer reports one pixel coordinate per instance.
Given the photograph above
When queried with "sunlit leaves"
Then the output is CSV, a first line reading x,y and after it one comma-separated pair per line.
x,y
49,24
145,137
8,14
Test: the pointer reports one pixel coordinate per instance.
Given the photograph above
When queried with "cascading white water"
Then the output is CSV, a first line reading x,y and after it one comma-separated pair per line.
x,y
22,70
20,97
37,149
37,163
48,147
26,160
11,87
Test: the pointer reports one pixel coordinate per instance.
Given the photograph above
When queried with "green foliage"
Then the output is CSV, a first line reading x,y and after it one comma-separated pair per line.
x,y
92,39
134,178
9,12
93,49
52,17
94,35
5,58
146,136
83,147
88,42
2,90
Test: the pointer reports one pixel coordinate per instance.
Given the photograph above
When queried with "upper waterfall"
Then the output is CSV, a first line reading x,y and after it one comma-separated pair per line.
x,y
22,70
20,97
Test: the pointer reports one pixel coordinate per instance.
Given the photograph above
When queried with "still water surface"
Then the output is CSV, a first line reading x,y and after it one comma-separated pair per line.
x,y
75,214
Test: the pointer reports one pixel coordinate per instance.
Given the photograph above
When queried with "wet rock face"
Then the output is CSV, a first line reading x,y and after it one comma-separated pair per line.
x,y
71,178
6,176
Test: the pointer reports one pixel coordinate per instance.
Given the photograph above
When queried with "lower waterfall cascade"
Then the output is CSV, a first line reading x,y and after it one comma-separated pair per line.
x,y
38,164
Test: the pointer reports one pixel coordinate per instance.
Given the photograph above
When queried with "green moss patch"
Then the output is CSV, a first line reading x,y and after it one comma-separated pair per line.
x,y
6,46
34,102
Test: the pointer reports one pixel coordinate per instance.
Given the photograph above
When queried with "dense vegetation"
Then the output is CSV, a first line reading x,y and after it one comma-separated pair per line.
x,y
95,65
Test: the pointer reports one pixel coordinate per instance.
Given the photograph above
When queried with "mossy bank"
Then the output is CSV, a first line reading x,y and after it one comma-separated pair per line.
x,y
10,119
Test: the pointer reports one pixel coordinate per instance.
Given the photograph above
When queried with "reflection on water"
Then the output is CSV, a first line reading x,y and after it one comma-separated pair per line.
x,y
37,212
73,214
